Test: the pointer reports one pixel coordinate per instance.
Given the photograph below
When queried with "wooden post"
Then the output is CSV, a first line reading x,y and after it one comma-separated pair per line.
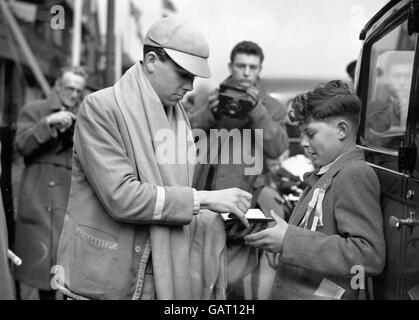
x,y
110,44
26,50
77,24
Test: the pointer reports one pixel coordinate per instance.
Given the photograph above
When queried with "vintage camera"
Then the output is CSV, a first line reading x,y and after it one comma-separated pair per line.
x,y
234,102
66,137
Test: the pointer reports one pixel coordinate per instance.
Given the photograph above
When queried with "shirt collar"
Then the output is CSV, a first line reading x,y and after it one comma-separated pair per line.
x,y
326,167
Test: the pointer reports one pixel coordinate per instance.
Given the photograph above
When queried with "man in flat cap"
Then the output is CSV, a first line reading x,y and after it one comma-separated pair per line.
x,y
134,227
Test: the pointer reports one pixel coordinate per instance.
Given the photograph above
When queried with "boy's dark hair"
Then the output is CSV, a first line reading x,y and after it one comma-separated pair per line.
x,y
247,47
331,99
157,50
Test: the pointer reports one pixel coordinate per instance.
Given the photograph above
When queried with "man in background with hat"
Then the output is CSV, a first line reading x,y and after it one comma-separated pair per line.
x,y
135,228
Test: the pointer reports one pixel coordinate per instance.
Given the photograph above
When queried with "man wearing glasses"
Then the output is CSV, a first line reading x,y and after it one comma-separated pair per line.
x,y
44,138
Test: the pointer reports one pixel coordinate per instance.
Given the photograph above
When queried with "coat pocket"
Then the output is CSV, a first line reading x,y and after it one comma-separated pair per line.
x,y
95,256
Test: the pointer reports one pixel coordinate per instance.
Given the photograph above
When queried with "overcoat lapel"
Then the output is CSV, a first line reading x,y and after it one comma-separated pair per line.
x,y
324,182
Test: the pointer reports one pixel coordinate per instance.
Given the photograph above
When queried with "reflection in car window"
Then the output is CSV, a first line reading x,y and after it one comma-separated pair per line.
x,y
391,70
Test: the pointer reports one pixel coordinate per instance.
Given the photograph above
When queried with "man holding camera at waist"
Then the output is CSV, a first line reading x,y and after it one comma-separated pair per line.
x,y
240,103
44,138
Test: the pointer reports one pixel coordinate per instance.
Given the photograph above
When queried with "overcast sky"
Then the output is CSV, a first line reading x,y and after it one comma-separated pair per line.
x,y
300,38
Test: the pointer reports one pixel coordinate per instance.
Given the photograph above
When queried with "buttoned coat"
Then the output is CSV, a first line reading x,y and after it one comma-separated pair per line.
x,y
43,193
349,243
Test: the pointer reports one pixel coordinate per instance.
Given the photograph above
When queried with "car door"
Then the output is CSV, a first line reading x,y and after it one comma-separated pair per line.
x,y
388,87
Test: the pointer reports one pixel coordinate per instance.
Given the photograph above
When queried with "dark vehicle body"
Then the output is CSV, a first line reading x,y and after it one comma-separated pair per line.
x,y
387,81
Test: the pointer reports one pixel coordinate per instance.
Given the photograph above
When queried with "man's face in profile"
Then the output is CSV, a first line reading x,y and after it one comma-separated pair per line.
x,y
170,81
245,68
70,89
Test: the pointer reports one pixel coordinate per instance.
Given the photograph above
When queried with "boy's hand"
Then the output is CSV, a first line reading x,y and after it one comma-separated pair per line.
x,y
235,230
270,239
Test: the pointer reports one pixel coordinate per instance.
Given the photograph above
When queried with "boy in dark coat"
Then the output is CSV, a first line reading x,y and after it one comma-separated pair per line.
x,y
334,239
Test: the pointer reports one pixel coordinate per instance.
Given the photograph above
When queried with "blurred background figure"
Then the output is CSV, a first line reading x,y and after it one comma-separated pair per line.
x,y
44,138
389,101
350,70
239,103
6,280
397,75
285,177
394,72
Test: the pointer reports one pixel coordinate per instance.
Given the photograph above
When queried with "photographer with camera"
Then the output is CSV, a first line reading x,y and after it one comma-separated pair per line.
x,y
240,103
44,138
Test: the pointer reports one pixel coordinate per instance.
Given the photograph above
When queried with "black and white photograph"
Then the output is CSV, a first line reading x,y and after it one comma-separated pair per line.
x,y
212,155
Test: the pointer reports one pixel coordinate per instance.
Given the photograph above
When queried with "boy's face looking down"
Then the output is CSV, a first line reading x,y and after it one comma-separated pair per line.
x,y
328,118
325,140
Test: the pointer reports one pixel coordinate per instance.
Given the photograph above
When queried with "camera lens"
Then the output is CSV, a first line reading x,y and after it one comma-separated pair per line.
x,y
233,108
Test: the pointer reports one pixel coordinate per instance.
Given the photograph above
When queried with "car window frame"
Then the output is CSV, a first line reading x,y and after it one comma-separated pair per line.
x,y
396,19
